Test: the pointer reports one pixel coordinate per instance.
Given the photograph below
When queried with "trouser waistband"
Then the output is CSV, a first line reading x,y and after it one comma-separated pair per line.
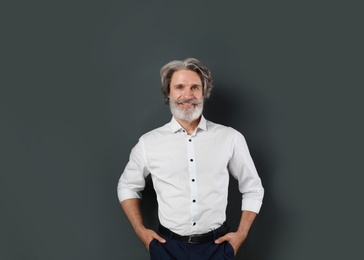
x,y
196,239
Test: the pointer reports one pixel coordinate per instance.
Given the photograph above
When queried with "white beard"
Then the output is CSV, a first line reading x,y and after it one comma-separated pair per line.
x,y
186,114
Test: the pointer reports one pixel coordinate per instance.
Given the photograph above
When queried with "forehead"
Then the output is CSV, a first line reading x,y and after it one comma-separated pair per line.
x,y
185,77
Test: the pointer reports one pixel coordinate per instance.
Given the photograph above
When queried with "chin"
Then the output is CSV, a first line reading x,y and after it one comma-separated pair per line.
x,y
189,117
187,114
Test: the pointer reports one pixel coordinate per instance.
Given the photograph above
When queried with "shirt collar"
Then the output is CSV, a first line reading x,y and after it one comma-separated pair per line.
x,y
175,126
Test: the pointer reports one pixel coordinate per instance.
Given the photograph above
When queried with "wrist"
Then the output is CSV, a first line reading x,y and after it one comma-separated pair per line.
x,y
241,232
139,228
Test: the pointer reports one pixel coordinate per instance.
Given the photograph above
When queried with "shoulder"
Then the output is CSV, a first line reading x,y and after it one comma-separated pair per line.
x,y
221,129
157,132
227,133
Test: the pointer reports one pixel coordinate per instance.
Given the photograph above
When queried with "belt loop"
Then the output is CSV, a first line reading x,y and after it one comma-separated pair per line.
x,y
214,233
171,235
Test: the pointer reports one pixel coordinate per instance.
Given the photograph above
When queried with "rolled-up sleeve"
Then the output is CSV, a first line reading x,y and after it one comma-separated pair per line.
x,y
132,180
241,167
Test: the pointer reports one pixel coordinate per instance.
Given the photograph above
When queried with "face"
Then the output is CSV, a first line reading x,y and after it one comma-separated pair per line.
x,y
186,95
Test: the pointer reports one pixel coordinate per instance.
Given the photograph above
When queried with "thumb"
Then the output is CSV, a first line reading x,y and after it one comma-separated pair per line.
x,y
160,239
220,240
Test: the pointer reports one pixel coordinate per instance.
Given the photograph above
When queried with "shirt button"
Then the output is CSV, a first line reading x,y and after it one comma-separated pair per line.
x,y
190,140
193,180
194,201
191,160
194,223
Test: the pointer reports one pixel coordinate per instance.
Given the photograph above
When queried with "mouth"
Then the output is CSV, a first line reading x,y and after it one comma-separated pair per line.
x,y
186,105
187,102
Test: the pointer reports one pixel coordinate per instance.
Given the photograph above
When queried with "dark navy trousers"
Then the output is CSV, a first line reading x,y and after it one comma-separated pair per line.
x,y
178,250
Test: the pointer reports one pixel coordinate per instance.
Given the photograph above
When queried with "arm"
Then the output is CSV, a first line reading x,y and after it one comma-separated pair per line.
x,y
241,166
130,185
236,239
132,210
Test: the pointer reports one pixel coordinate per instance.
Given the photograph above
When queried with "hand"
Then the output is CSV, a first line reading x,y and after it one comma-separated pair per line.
x,y
235,239
147,235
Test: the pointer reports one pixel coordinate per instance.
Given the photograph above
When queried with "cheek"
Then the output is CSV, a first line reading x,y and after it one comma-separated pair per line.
x,y
174,96
199,96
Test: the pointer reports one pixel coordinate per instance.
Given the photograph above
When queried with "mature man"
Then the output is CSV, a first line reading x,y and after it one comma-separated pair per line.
x,y
190,160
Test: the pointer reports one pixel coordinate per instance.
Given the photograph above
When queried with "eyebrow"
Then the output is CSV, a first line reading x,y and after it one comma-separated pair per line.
x,y
182,85
177,85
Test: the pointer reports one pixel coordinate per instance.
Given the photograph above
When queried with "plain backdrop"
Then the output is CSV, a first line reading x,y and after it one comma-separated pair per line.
x,y
80,84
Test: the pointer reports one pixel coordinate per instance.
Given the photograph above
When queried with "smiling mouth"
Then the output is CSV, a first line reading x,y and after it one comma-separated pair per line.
x,y
187,101
187,104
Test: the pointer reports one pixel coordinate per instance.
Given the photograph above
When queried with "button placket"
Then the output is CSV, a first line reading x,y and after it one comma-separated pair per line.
x,y
193,183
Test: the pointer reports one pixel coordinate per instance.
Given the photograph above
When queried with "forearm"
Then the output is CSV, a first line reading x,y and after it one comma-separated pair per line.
x,y
246,221
131,208
236,239
132,211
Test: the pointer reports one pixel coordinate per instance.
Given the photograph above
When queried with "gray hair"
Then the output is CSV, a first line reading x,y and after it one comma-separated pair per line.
x,y
192,64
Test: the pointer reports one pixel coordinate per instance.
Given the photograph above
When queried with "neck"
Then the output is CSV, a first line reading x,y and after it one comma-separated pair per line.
x,y
189,126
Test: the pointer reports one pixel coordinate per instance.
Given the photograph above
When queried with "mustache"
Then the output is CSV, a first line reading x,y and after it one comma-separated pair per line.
x,y
190,101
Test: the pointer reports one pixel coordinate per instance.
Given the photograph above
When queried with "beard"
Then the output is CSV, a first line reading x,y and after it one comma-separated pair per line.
x,y
186,114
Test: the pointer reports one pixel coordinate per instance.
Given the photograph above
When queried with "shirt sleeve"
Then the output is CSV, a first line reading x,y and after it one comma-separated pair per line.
x,y
132,180
242,168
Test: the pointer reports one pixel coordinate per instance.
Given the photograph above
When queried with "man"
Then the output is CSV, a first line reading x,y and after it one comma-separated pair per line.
x,y
189,160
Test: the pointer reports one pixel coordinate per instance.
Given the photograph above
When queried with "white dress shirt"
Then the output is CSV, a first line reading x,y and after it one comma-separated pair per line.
x,y
190,174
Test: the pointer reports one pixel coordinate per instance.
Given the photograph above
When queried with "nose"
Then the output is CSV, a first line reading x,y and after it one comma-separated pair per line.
x,y
187,93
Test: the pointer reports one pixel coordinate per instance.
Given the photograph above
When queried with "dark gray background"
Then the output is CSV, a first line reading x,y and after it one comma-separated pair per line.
x,y
80,83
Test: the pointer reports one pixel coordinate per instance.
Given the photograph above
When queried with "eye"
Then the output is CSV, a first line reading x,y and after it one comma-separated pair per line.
x,y
195,87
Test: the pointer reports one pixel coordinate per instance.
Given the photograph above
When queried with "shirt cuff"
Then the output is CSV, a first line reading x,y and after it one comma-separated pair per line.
x,y
124,194
251,205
